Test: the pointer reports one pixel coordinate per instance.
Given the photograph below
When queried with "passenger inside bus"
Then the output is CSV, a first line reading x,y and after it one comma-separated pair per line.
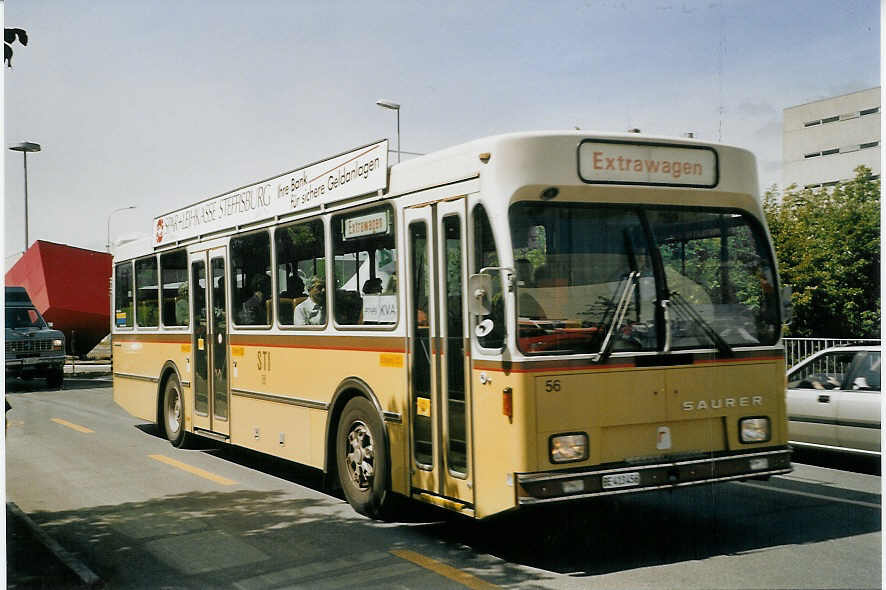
x,y
181,305
312,311
372,286
528,305
290,298
255,308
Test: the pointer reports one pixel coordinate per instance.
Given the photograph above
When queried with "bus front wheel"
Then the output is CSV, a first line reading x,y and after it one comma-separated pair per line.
x,y
361,458
174,412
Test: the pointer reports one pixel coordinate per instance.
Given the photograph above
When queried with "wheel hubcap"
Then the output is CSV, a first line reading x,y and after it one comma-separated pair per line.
x,y
360,455
174,411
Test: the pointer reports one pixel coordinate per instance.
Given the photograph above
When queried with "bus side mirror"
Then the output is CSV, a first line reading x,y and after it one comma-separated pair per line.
x,y
787,305
479,294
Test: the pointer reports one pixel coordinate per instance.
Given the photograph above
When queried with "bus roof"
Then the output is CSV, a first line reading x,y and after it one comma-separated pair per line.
x,y
512,159
525,154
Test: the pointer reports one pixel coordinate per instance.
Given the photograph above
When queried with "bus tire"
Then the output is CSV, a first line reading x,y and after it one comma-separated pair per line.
x,y
362,458
174,412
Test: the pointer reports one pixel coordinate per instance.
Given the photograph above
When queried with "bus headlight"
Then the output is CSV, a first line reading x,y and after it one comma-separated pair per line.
x,y
58,344
566,448
754,430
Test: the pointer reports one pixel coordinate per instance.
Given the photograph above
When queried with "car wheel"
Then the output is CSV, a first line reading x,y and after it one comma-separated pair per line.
x,y
361,458
56,378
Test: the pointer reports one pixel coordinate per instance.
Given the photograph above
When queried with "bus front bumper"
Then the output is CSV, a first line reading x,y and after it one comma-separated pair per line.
x,y
623,478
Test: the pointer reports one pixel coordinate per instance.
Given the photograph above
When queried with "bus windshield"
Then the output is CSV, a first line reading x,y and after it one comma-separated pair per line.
x,y
603,278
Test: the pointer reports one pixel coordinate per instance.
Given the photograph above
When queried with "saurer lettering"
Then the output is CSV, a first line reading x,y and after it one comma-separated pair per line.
x,y
723,402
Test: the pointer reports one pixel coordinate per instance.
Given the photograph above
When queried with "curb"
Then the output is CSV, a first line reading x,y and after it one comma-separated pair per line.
x,y
86,575
87,370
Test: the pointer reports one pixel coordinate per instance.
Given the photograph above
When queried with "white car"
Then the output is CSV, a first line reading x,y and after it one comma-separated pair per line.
x,y
833,400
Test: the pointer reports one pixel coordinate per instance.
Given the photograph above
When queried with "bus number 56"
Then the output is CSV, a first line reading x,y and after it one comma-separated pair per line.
x,y
552,385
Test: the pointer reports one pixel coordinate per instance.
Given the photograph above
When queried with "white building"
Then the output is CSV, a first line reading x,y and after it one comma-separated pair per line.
x,y
825,140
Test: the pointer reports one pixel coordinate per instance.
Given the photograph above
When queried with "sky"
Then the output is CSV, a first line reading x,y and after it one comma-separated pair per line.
x,y
161,104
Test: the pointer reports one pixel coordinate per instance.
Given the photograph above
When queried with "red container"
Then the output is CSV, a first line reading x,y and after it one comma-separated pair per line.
x,y
70,287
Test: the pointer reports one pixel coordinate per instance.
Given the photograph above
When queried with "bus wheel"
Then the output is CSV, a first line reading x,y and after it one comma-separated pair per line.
x,y
361,458
174,412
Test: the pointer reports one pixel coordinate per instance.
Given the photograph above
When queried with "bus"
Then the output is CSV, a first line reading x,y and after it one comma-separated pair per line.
x,y
525,318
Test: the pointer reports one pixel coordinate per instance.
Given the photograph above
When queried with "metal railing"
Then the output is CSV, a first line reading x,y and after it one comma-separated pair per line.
x,y
796,349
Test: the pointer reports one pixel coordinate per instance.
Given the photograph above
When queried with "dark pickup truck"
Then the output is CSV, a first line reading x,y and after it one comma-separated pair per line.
x,y
33,348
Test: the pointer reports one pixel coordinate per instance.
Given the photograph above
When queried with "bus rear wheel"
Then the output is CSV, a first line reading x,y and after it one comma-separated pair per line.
x,y
361,459
174,412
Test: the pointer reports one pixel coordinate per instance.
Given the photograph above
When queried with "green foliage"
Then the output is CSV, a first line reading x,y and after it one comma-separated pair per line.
x,y
827,243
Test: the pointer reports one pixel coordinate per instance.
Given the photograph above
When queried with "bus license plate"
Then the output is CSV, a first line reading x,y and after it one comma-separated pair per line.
x,y
621,480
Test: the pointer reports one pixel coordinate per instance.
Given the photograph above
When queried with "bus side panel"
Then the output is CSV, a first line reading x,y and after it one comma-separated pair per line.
x,y
501,445
310,375
275,428
137,366
137,397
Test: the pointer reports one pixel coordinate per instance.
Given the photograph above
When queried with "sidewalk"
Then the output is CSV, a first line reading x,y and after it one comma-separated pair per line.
x,y
92,368
35,560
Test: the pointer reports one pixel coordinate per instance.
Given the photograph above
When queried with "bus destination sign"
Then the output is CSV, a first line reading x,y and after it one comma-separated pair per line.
x,y
354,173
615,162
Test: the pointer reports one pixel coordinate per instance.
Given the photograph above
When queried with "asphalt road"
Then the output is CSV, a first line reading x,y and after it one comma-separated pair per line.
x,y
141,514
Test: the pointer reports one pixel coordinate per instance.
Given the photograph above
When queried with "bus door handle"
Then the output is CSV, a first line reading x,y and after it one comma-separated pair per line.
x,y
825,399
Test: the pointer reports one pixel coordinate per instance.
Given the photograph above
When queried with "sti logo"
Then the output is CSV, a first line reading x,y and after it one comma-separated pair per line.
x,y
159,230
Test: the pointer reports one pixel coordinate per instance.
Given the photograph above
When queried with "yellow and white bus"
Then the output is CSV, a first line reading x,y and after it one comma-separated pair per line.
x,y
525,318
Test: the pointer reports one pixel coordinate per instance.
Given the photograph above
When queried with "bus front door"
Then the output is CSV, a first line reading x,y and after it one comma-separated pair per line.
x,y
210,342
437,322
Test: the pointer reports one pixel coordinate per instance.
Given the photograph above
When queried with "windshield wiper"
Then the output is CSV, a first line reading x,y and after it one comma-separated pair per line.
x,y
683,307
627,286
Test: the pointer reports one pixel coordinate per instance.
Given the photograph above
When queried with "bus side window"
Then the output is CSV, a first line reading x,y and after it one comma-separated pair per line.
x,y
365,263
123,295
174,287
146,292
485,255
251,279
300,256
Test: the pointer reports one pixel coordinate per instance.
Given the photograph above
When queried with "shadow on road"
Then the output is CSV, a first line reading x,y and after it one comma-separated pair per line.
x,y
658,528
611,534
249,538
18,385
244,536
838,460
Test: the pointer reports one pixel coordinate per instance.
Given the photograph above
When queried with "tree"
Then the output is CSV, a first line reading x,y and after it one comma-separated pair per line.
x,y
9,37
827,243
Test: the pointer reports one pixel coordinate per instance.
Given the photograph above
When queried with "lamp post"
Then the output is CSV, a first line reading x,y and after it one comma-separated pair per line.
x,y
108,245
25,147
387,104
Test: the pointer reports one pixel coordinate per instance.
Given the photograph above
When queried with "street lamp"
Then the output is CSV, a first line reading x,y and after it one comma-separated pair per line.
x,y
108,245
387,104
25,147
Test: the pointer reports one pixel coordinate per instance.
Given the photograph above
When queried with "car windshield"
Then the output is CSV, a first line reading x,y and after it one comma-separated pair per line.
x,y
17,318
595,278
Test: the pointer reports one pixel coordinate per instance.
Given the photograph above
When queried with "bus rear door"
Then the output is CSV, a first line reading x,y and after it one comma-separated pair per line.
x,y
210,342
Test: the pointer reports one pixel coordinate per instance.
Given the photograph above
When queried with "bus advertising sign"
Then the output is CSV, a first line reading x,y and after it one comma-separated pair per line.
x,y
351,174
614,162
